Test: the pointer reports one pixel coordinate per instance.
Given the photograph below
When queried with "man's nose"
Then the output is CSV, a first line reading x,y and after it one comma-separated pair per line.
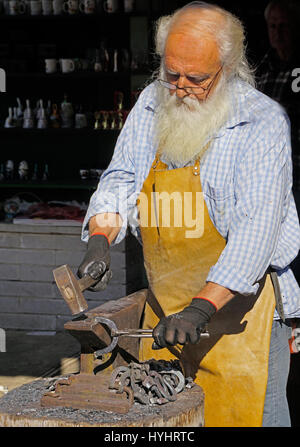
x,y
180,92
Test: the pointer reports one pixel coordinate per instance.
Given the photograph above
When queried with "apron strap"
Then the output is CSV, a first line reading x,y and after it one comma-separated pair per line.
x,y
154,304
277,293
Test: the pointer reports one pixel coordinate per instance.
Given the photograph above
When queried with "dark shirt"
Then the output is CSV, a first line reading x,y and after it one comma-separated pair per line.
x,y
274,78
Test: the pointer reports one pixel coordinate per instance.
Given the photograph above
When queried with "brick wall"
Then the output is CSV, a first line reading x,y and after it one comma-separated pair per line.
x,y
29,298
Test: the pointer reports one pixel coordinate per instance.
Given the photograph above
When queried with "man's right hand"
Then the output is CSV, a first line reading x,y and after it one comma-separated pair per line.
x,y
97,251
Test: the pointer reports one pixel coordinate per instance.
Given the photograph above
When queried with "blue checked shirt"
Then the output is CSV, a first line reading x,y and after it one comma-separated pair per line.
x,y
246,178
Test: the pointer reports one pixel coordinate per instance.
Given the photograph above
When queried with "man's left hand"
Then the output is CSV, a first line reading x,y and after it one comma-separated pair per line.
x,y
185,326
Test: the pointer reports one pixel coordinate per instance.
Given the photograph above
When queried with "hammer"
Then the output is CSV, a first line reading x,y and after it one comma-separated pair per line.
x,y
71,288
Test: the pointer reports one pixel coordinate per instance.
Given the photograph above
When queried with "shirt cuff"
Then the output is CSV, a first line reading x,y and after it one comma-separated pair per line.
x,y
230,278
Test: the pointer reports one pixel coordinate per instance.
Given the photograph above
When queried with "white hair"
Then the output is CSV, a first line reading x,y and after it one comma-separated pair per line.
x,y
230,37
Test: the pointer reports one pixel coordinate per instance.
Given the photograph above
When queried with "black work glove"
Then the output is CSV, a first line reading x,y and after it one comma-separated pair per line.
x,y
185,326
97,252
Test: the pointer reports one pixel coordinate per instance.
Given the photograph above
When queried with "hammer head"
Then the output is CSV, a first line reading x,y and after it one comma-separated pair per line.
x,y
70,289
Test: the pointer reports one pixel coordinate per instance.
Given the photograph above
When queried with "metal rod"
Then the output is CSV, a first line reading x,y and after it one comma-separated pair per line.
x,y
140,334
130,332
136,335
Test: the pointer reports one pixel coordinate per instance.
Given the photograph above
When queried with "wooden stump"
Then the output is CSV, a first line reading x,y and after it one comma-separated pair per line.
x,y
21,407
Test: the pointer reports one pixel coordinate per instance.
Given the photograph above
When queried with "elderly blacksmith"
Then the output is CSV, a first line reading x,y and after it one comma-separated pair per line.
x,y
217,254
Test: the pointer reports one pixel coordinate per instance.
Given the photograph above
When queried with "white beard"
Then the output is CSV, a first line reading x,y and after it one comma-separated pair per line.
x,y
184,126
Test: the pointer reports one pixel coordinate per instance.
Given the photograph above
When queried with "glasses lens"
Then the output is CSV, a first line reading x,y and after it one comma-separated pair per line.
x,y
190,90
194,90
167,84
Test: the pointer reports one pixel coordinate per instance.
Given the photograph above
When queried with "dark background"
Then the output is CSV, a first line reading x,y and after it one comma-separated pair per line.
x,y
25,41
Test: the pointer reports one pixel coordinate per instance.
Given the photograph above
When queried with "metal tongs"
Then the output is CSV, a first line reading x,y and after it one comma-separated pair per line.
x,y
115,333
145,333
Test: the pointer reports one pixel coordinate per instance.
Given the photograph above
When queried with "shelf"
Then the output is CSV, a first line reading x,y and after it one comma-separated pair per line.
x,y
73,17
81,184
75,75
58,132
27,41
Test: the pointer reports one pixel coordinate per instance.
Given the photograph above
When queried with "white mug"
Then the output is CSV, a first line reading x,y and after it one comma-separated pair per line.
x,y
84,173
110,5
88,6
50,65
16,7
67,65
57,7
128,5
71,6
47,7
35,7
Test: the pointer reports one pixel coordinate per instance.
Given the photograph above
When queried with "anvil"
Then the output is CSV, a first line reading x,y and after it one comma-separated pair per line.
x,y
89,388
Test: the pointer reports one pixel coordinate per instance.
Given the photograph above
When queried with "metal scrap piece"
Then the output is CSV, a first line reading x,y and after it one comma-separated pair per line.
x,y
130,394
114,377
136,379
123,381
189,382
165,389
179,381
152,382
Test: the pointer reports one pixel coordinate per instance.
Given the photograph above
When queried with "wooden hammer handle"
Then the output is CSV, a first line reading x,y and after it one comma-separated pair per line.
x,y
93,276
86,281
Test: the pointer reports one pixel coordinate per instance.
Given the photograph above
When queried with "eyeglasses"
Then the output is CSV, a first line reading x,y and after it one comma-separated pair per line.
x,y
190,90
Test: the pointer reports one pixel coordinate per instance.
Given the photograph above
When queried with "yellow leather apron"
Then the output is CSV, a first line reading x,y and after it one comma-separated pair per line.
x,y
232,364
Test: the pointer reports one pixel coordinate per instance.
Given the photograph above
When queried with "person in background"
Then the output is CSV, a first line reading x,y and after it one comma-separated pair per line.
x,y
276,77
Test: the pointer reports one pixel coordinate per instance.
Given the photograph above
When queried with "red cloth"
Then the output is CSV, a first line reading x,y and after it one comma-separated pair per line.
x,y
55,211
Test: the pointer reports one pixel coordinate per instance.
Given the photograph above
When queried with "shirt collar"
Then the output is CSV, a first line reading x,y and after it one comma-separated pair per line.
x,y
239,109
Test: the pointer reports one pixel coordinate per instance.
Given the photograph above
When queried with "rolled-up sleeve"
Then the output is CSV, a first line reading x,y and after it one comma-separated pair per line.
x,y
262,193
